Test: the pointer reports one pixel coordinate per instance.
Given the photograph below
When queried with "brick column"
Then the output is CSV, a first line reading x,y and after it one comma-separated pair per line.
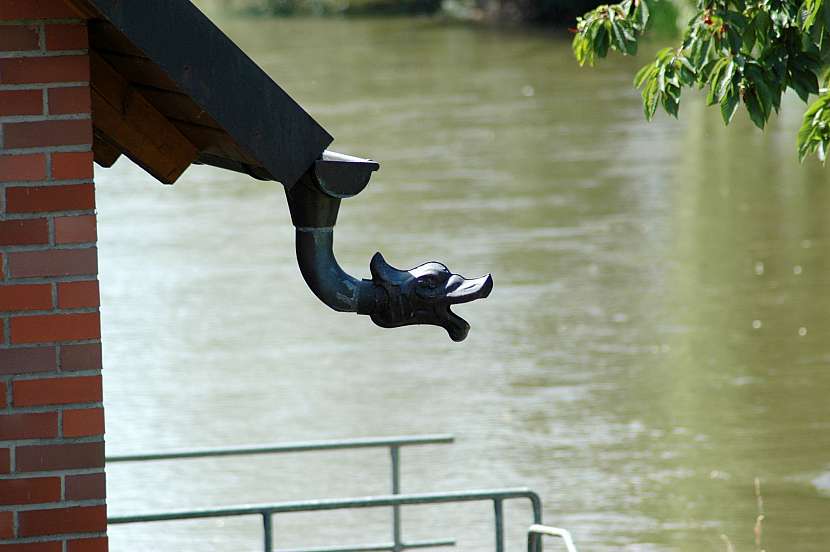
x,y
52,486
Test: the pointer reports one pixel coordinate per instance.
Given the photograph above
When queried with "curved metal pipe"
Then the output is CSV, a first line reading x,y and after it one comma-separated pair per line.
x,y
330,283
393,297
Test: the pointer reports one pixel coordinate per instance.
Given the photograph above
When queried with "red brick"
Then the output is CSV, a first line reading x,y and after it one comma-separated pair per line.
x,y
25,297
81,357
36,425
56,262
73,295
24,232
66,37
88,519
66,166
36,9
77,229
2,395
47,133
42,392
59,457
21,102
83,422
92,486
41,199
49,546
19,38
27,361
47,328
23,167
36,490
98,544
34,70
6,525
64,101
5,460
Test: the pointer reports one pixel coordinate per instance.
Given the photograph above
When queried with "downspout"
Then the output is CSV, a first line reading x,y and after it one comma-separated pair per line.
x,y
393,297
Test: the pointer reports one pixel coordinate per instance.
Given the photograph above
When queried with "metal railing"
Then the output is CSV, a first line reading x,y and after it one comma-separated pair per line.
x,y
394,445
497,496
536,532
394,500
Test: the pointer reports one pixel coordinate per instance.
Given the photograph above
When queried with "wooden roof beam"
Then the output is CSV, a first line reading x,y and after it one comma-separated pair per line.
x,y
105,153
130,122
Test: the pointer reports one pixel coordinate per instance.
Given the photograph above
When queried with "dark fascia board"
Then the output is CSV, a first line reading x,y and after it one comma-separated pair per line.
x,y
206,65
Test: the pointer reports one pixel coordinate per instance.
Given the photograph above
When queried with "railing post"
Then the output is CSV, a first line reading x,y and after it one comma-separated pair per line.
x,y
499,512
268,543
395,452
536,504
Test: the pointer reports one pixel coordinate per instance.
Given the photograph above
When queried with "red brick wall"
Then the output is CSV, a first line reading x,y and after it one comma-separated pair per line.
x,y
52,486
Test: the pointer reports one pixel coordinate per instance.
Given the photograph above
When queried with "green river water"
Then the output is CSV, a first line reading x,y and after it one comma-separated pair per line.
x,y
657,337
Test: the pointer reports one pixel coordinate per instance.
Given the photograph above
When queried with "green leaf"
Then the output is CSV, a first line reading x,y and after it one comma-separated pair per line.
x,y
665,54
765,97
809,80
726,79
700,52
733,36
651,98
802,80
684,61
671,105
631,47
799,88
617,35
736,19
643,74
748,37
582,49
776,98
714,77
641,14
815,128
601,41
728,105
753,107
661,78
812,8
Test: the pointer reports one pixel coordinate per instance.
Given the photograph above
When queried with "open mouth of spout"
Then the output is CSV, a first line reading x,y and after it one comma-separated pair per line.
x,y
457,327
464,292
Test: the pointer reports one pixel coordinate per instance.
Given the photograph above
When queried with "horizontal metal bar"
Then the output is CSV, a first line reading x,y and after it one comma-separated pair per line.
x,y
302,446
340,504
373,547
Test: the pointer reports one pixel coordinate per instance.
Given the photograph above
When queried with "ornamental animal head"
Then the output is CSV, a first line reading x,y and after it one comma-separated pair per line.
x,y
423,295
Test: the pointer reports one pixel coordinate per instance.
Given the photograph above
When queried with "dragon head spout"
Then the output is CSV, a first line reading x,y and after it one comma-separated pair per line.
x,y
423,295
